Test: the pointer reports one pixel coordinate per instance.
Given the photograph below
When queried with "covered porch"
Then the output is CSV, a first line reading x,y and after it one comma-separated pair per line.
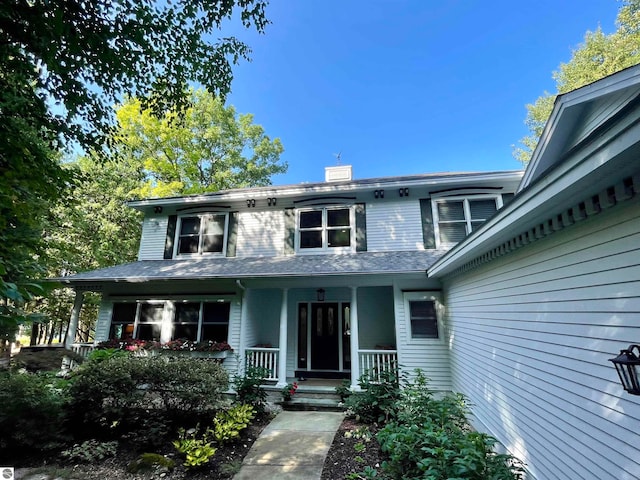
x,y
319,333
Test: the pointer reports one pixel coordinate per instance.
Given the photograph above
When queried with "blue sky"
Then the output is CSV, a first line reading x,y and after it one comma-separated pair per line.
x,y
406,86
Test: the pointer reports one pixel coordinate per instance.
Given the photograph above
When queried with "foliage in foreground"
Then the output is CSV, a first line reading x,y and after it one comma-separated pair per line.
x,y
64,64
145,398
32,411
429,438
377,401
248,388
227,425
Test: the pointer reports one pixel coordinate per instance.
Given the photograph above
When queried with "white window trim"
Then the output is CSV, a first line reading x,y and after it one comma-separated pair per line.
x,y
424,296
225,236
467,213
325,248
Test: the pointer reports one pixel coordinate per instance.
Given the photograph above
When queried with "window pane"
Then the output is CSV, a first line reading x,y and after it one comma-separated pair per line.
x,y
424,329
423,309
124,312
187,312
452,232
482,209
188,245
475,225
212,243
121,331
217,333
151,312
188,331
338,218
216,312
424,321
451,210
214,224
190,226
149,332
339,238
311,239
311,219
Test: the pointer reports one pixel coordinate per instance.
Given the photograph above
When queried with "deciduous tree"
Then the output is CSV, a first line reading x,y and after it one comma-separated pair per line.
x,y
63,64
209,147
598,56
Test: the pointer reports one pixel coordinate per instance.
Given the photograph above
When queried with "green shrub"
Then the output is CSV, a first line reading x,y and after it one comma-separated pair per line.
x,y
32,408
431,439
197,451
344,389
228,424
100,355
377,402
146,397
248,387
91,451
151,461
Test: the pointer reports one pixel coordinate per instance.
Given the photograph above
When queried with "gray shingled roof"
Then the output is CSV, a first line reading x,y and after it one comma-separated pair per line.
x,y
247,267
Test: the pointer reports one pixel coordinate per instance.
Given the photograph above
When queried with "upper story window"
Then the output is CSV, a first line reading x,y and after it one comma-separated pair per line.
x,y
455,218
325,229
201,234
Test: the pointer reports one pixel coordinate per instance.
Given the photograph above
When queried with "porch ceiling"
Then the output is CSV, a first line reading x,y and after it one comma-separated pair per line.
x,y
369,263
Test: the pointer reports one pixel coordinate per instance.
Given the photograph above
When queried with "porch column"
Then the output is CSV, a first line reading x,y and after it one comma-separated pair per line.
x,y
73,321
282,343
355,344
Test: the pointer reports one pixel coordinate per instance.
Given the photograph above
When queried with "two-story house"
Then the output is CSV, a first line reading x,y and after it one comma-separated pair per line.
x,y
517,301
312,280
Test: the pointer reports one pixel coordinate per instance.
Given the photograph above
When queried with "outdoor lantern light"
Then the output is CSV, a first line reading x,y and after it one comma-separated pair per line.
x,y
320,293
628,368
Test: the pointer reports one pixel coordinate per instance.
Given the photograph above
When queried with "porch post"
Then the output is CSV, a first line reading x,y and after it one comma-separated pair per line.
x,y
73,321
355,344
282,343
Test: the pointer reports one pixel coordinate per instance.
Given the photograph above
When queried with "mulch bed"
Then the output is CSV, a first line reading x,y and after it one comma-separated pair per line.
x,y
350,454
223,466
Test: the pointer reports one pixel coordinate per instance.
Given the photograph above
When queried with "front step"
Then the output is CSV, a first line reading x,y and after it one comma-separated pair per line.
x,y
312,404
310,396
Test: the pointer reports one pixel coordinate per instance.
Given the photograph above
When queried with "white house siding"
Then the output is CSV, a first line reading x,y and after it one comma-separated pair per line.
x,y
394,225
431,356
375,317
263,317
154,234
231,363
531,334
260,233
103,323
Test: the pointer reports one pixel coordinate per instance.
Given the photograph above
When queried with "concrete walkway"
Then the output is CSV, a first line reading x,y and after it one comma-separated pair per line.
x,y
292,447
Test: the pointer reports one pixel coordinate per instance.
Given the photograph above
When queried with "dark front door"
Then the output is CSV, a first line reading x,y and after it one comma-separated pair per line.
x,y
325,334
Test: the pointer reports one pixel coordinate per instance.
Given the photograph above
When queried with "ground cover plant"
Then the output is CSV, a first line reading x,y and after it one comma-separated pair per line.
x,y
416,436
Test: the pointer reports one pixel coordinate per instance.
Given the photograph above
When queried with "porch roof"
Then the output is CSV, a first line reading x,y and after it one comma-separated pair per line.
x,y
369,263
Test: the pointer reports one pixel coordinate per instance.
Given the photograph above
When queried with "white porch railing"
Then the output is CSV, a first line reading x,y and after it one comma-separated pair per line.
x,y
376,362
82,349
266,358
